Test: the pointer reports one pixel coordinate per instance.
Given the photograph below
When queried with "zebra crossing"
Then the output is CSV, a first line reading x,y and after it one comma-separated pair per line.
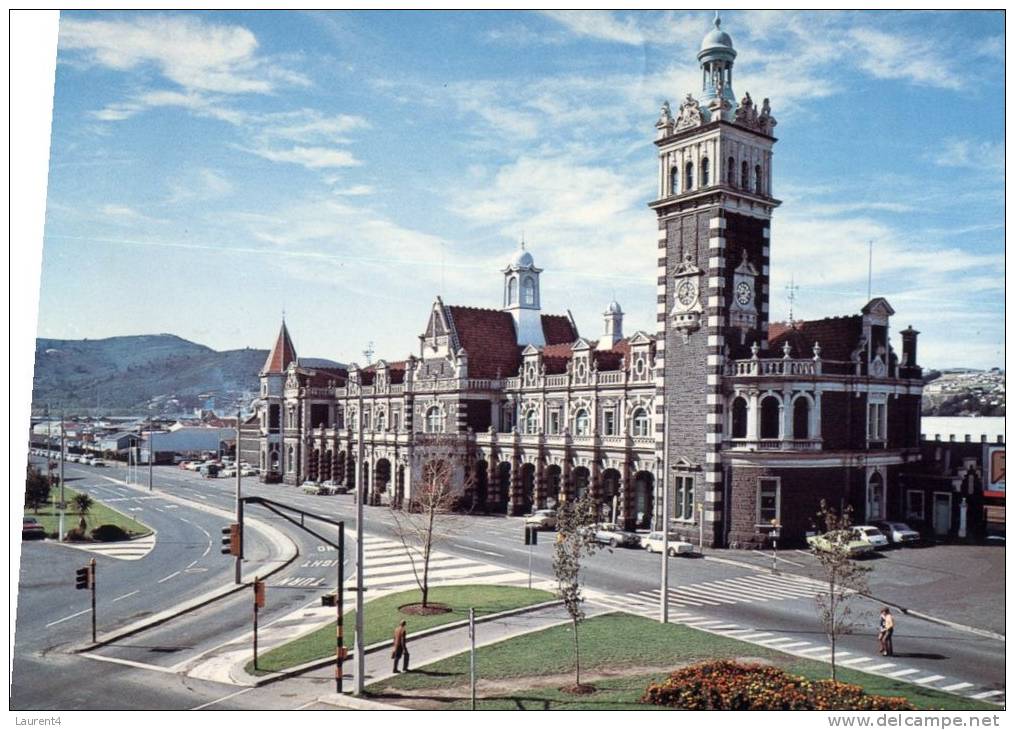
x,y
128,550
765,587
388,569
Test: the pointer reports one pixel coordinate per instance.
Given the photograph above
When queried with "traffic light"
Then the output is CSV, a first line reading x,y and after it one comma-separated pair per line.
x,y
259,593
531,535
84,579
231,540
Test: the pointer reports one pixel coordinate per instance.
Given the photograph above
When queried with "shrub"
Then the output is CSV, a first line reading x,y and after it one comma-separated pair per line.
x,y
730,685
109,533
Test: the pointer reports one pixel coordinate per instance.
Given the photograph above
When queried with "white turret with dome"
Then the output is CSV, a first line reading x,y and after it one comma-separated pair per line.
x,y
521,297
613,332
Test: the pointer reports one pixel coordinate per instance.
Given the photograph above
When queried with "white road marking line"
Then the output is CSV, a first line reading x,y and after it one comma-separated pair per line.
x,y
739,631
125,595
928,680
222,699
171,575
902,672
128,663
854,662
751,637
985,695
67,618
191,565
679,598
879,667
206,551
725,629
793,645
704,623
477,550
773,642
811,650
957,686
706,595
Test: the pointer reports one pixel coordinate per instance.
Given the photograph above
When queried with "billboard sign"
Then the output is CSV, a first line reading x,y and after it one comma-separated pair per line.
x,y
993,485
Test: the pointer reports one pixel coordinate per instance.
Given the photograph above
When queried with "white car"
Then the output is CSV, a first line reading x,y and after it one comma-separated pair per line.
x,y
98,462
898,533
248,471
870,535
653,542
543,519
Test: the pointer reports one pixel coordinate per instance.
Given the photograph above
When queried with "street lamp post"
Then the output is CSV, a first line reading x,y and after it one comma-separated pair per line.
x,y
360,663
664,597
775,542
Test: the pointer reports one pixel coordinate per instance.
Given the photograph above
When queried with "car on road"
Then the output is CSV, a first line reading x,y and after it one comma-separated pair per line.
x,y
543,519
653,542
898,533
872,535
609,533
856,543
98,462
248,471
229,471
32,530
335,487
209,471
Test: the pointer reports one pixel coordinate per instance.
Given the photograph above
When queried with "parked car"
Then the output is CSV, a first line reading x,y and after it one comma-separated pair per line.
x,y
335,487
209,471
898,533
609,533
98,462
543,519
31,529
872,535
653,542
856,543
248,471
229,471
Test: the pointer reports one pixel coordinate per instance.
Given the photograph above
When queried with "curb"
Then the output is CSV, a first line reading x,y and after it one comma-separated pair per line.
x,y
907,611
199,601
329,661
351,702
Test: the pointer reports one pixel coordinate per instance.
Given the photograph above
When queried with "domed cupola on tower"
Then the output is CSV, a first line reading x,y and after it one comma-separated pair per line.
x,y
716,59
521,297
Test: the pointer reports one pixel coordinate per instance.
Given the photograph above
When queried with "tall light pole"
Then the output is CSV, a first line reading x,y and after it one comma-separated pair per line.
x,y
360,663
238,577
62,457
664,587
151,454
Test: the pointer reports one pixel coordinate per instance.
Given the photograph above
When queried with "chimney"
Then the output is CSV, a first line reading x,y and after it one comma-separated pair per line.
x,y
909,346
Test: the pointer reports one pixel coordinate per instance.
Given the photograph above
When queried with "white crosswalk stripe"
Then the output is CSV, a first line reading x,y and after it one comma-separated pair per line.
x,y
130,550
388,569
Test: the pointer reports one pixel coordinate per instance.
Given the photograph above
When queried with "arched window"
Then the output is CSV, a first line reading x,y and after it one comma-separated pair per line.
x,y
769,417
731,171
674,181
757,179
738,419
639,423
433,420
529,291
291,459
704,178
532,422
581,423
688,176
366,420
353,420
876,497
379,421
745,176
512,290
801,418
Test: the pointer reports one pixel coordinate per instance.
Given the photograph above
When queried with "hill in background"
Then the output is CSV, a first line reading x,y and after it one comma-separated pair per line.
x,y
142,374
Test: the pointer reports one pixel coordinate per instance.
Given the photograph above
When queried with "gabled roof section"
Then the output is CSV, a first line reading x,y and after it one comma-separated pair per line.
x,y
838,337
878,306
488,336
281,354
558,329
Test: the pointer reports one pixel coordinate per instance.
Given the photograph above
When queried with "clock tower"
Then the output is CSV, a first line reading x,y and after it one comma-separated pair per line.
x,y
714,206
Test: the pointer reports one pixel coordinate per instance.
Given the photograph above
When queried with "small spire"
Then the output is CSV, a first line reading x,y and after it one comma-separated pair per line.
x,y
717,20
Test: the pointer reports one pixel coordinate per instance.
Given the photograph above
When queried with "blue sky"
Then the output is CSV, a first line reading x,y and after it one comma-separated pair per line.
x,y
208,170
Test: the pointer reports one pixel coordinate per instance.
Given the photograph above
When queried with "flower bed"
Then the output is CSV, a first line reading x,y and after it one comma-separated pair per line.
x,y
730,685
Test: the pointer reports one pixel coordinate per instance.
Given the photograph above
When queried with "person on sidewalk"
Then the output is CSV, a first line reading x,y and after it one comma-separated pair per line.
x,y
885,631
400,648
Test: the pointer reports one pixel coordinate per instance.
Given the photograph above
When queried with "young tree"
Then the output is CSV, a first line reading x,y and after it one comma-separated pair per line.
x,y
575,539
36,489
845,579
426,518
83,505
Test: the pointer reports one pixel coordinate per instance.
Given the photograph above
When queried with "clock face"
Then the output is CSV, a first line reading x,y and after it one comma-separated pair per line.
x,y
744,293
686,292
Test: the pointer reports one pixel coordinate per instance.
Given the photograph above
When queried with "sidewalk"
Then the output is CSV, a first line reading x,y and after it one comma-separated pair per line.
x,y
424,651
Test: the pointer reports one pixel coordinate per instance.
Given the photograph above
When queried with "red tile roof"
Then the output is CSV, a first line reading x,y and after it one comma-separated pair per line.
x,y
488,336
281,354
557,329
838,337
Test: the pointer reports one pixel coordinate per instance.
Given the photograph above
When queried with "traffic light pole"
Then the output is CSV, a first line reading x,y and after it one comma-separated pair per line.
x,y
339,609
238,568
91,566
255,623
664,581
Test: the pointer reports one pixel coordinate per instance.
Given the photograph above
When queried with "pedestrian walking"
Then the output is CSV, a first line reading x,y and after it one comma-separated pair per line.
x,y
885,631
400,648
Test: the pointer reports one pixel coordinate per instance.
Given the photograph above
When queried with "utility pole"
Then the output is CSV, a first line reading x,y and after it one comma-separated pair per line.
x,y
151,455
62,458
238,577
360,660
472,655
664,592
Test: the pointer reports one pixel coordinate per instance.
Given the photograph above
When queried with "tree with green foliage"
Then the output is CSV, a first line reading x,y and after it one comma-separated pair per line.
x,y
575,540
83,505
844,577
36,489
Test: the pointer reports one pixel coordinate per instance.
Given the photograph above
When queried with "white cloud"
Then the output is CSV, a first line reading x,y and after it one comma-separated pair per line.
x,y
896,56
309,125
631,29
203,184
188,51
970,154
314,158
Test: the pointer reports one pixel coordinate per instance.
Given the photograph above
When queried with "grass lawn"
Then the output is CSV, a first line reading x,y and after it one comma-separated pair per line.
x,y
381,615
99,514
621,654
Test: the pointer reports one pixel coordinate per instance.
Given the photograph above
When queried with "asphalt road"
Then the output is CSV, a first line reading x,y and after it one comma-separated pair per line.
x,y
749,601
